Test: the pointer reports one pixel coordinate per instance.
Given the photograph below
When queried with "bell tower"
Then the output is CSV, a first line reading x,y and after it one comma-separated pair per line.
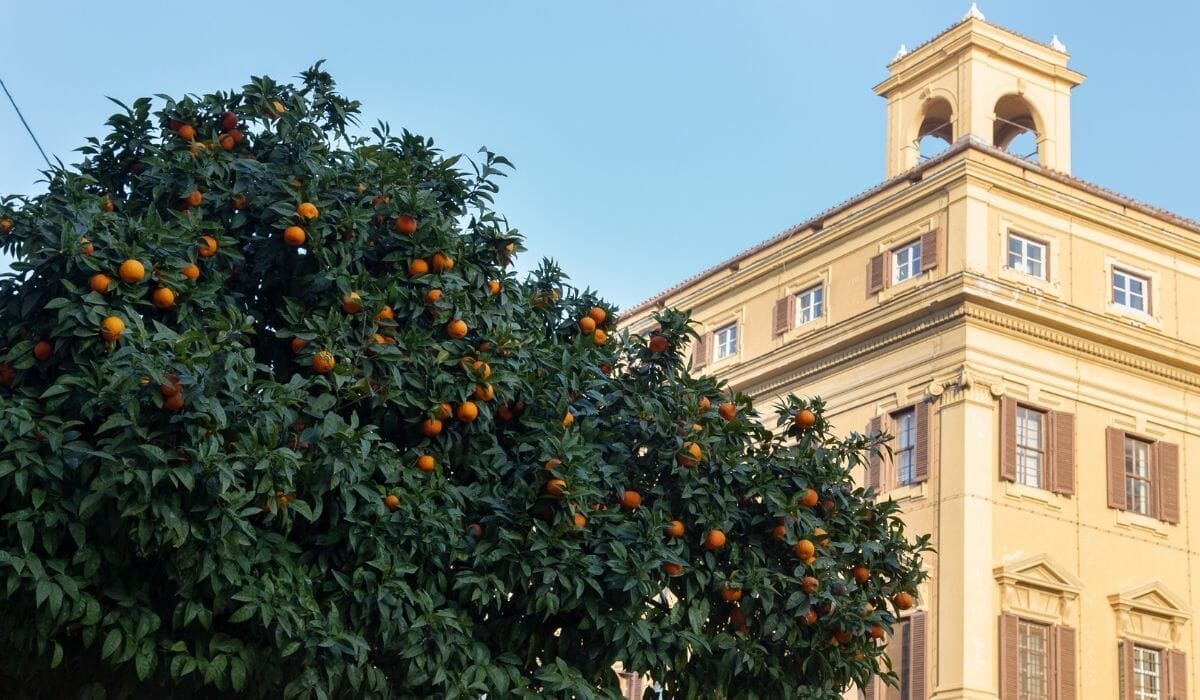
x,y
984,81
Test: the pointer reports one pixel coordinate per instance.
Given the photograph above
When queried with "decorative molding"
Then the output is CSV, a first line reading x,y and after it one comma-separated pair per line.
x,y
967,383
1039,587
1150,612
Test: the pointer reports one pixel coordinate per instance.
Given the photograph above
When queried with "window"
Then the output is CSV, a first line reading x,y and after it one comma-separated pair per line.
x,y
1130,291
899,650
810,305
1147,675
726,342
905,455
1031,446
1033,644
1026,255
1137,476
1143,475
906,262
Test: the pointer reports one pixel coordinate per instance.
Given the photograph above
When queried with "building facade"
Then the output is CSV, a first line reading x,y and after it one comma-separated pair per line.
x,y
1032,341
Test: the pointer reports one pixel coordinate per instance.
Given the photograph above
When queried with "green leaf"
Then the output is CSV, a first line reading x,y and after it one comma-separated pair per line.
x,y
244,613
112,642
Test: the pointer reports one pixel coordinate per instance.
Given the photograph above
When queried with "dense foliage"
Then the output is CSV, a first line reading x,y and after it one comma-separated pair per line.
x,y
317,439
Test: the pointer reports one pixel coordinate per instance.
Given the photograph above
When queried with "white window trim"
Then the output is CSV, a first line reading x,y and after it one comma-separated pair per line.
x,y
1140,319
1028,242
1128,276
821,286
893,265
820,278
1049,285
737,342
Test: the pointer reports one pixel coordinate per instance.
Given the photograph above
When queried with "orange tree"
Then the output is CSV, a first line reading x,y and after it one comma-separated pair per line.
x,y
279,419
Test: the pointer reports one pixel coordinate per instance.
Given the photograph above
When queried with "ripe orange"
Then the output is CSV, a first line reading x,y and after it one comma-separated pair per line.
x,y
481,369
187,132
714,539
431,427
207,247
805,549
385,314
475,530
810,499
553,463
779,533
442,262
704,403
277,109
675,529
586,325
5,225
556,487
568,419
631,500
810,585
457,329
433,296
466,412
877,632
172,387
99,283
323,362
426,463
391,502
195,198
197,148
228,121
174,402
689,456
730,595
191,271
226,142
381,339
805,419
237,135
810,617
822,536
672,568
599,337
494,287
351,303
306,210
294,236
861,573
111,328
658,344
598,315
86,247
484,392
444,410
43,350
727,411
580,520
902,600
163,298
298,345
843,636
131,272
417,267
406,224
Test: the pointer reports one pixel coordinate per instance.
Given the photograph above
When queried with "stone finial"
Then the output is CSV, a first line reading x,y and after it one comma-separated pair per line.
x,y
1057,45
974,13
900,54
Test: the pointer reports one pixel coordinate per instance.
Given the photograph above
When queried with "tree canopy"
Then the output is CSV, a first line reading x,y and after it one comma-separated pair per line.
x,y
280,419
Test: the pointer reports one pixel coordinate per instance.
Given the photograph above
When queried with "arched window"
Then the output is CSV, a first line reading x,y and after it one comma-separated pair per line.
x,y
1015,128
937,128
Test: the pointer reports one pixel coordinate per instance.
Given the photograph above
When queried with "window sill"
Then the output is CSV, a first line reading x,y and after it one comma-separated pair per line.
x,y
910,492
1141,523
1030,493
1034,285
894,289
1135,318
803,329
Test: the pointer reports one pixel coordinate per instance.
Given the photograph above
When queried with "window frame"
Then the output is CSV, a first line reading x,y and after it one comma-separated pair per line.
x,y
1129,274
1140,673
819,290
1023,656
1028,242
721,350
908,452
1133,479
1040,451
912,264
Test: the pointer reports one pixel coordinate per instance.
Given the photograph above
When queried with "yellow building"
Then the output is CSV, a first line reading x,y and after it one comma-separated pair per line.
x,y
1033,341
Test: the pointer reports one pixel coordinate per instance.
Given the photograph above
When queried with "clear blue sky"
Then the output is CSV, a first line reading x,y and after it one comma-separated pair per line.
x,y
651,139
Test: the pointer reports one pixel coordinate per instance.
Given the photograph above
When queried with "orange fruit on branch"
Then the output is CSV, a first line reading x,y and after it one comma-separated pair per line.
x,y
714,539
727,411
598,315
805,549
294,236
391,502
658,344
631,500
805,419
675,529
556,487
207,247
43,350
673,569
111,328
195,198
689,455
431,427
352,303
466,412
323,362
579,519
730,595
99,283
187,132
307,211
190,271
406,224
586,325
426,463
599,337
131,272
163,298
902,600
810,498
457,329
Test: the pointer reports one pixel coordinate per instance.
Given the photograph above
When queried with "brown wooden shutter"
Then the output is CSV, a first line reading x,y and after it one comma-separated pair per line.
x,y
1064,662
1125,673
929,250
1176,662
869,689
921,449
875,276
875,462
916,678
1009,661
701,351
1166,457
1008,438
1062,452
784,312
1116,468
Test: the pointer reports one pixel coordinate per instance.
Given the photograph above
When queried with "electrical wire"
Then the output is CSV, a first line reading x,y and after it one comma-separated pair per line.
x,y
22,118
